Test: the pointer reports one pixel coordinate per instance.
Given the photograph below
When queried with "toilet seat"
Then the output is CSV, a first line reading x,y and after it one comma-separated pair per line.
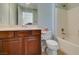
x,y
52,44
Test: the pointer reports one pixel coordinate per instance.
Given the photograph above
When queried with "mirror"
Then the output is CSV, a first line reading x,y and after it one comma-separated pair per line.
x,y
27,14
41,14
17,14
8,13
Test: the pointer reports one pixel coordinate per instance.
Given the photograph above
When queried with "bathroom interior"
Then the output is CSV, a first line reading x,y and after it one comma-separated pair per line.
x,y
58,23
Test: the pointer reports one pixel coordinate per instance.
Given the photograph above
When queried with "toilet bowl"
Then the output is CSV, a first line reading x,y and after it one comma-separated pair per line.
x,y
52,47
52,44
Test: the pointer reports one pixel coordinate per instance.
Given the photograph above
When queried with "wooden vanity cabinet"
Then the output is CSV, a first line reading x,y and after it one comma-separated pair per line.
x,y
33,45
4,38
20,42
1,47
15,46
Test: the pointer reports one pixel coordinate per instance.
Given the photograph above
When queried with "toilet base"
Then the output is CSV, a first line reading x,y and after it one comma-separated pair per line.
x,y
51,52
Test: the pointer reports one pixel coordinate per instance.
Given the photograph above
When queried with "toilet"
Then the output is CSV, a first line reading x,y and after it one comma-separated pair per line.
x,y
52,47
49,46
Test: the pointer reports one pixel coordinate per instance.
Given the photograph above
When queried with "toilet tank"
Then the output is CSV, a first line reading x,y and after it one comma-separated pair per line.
x,y
47,35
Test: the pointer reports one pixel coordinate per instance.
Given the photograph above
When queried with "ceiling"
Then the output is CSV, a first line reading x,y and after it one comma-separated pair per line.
x,y
67,5
35,5
30,5
72,5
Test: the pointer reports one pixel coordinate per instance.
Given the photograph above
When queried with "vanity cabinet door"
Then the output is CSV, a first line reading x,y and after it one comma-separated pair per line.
x,y
15,46
3,45
34,45
25,44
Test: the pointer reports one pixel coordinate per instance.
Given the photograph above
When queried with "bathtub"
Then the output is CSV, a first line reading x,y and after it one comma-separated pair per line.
x,y
68,47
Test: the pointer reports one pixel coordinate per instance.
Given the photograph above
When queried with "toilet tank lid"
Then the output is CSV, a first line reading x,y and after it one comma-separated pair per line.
x,y
51,42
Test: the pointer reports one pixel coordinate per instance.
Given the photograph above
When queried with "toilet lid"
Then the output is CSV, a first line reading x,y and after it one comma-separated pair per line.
x,y
51,42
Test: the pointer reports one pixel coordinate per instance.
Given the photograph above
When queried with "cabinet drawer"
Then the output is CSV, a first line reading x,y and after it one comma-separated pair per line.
x,y
36,32
6,34
23,33
27,33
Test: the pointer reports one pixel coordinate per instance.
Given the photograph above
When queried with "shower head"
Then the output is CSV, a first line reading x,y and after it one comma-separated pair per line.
x,y
62,5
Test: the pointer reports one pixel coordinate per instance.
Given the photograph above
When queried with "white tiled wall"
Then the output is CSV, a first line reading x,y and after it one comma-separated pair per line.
x,y
69,20
73,24
62,21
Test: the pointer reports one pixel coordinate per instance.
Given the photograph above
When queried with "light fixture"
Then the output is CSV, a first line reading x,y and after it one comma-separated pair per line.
x,y
28,3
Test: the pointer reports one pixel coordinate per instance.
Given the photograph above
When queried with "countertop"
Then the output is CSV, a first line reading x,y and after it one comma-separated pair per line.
x,y
18,27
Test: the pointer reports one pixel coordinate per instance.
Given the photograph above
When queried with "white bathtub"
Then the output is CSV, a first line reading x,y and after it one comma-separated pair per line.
x,y
68,47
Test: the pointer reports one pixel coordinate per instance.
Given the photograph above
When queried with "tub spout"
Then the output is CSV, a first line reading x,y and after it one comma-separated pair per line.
x,y
64,33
